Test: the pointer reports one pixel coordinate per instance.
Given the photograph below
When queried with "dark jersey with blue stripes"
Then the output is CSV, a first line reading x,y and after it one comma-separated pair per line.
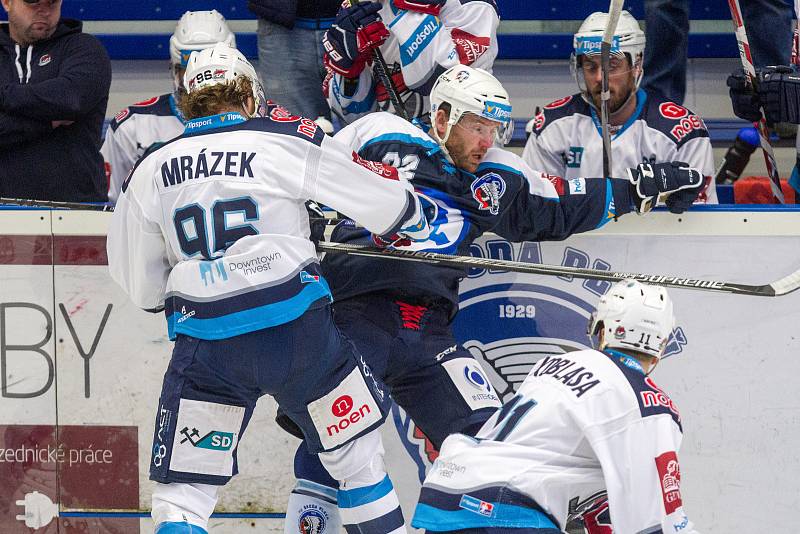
x,y
504,196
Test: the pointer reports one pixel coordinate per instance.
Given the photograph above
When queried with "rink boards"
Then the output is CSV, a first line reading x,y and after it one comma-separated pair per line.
x,y
81,370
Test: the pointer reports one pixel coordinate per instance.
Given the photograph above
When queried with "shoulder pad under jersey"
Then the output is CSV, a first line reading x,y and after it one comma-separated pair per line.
x,y
558,109
678,123
158,105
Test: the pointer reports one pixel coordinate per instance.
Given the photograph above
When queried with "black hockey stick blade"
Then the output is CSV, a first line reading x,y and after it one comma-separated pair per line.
x,y
780,287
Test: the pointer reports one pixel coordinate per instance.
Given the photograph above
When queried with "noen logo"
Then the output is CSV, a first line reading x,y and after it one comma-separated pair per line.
x,y
214,440
343,407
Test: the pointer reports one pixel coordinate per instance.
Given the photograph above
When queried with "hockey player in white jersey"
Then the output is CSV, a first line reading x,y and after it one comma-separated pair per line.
x,y
212,228
419,40
566,138
581,424
156,120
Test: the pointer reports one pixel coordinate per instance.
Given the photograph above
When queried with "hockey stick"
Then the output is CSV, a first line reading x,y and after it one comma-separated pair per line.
x,y
381,70
51,204
777,288
761,124
85,206
614,10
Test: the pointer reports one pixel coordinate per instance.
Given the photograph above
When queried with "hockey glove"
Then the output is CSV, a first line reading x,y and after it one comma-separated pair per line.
x,y
680,182
779,94
431,7
355,33
746,104
417,231
316,221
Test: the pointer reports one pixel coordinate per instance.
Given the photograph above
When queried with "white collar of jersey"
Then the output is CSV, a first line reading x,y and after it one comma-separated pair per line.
x,y
202,124
627,361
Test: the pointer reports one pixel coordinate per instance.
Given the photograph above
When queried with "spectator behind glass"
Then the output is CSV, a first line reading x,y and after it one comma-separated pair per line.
x,y
768,24
54,83
156,120
566,141
290,53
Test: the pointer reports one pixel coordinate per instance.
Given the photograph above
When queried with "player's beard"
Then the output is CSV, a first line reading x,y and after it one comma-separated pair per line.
x,y
462,156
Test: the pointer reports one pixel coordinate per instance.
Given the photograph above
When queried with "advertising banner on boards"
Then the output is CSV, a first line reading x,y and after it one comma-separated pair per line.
x,y
82,369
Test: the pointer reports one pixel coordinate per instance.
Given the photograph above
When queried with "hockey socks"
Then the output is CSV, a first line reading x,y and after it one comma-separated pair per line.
x,y
372,509
179,528
180,508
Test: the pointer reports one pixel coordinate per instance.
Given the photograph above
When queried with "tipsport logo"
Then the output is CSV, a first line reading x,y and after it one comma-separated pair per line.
x,y
497,111
592,45
214,440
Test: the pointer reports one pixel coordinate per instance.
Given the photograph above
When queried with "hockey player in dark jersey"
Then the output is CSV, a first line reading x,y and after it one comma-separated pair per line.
x,y
156,120
398,313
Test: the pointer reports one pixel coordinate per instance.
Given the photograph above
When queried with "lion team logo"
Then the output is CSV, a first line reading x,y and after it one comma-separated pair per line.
x,y
487,191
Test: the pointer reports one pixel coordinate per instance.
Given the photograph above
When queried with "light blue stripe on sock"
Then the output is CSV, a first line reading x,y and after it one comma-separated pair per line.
x,y
174,527
360,496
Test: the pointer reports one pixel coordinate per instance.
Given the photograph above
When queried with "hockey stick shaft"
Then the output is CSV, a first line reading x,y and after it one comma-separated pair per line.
x,y
381,70
85,206
614,10
761,125
779,287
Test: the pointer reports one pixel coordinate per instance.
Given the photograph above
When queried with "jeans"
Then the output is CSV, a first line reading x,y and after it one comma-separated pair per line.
x,y
769,30
290,67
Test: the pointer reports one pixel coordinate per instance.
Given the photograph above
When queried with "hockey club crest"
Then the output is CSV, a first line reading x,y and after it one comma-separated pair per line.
x,y
539,120
469,47
487,191
45,59
313,520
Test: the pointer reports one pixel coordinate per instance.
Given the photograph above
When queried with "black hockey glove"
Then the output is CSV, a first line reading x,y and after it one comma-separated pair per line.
x,y
316,221
676,179
779,93
745,101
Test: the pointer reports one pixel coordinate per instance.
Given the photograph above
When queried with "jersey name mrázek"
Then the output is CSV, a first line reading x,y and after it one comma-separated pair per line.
x,y
578,379
207,164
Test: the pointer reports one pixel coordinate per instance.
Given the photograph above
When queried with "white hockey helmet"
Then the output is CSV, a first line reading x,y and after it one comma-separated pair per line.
x,y
469,90
634,316
628,39
197,30
222,64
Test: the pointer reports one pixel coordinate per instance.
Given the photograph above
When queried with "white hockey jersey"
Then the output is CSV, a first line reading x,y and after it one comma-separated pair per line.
x,y
212,226
580,423
567,141
132,131
421,47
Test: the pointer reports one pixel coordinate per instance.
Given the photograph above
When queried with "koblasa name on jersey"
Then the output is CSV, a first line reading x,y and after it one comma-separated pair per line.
x,y
578,379
183,168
